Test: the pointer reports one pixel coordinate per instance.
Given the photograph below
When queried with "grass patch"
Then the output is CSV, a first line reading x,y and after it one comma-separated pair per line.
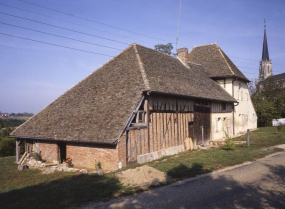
x,y
190,164
31,189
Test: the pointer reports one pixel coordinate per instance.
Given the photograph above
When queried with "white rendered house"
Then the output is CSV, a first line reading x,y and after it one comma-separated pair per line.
x,y
220,68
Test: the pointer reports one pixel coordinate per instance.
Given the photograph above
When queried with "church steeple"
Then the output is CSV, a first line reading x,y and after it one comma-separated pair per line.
x,y
265,68
265,54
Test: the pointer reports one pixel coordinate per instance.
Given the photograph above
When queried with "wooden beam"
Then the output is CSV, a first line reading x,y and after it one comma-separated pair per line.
x,y
21,141
17,150
177,126
22,158
127,146
148,131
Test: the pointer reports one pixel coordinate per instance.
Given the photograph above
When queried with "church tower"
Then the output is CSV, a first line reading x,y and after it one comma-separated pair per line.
x,y
265,68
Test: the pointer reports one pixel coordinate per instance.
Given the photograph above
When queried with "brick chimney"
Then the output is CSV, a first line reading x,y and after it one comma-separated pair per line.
x,y
183,54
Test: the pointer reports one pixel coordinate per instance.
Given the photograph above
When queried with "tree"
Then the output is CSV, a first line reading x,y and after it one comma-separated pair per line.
x,y
165,48
251,87
265,110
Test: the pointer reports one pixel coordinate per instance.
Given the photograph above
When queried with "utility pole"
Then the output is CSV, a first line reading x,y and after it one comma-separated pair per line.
x,y
248,134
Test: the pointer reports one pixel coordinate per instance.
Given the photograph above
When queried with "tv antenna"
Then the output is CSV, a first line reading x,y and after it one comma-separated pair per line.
x,y
177,37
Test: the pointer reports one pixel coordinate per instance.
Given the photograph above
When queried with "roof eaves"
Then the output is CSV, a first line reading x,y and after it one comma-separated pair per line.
x,y
62,140
194,97
229,76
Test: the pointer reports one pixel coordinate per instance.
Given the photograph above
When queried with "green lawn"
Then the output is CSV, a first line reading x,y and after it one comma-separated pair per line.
x,y
31,189
190,164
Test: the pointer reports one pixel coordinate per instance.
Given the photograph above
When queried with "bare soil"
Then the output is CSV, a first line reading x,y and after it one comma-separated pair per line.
x,y
143,177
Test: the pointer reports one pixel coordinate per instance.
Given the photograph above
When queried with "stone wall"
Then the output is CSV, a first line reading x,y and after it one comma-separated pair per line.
x,y
85,156
122,152
49,151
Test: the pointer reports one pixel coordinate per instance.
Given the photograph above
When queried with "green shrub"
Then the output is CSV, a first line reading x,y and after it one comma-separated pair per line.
x,y
36,156
230,145
7,147
69,163
279,127
98,165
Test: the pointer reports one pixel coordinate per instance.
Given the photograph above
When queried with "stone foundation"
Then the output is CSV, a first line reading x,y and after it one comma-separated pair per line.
x,y
159,154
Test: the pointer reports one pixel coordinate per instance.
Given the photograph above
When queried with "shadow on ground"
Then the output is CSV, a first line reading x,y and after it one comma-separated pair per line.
x,y
184,171
220,191
62,193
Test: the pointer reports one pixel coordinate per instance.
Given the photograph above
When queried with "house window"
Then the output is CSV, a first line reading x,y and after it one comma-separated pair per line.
x,y
229,126
241,95
217,124
141,116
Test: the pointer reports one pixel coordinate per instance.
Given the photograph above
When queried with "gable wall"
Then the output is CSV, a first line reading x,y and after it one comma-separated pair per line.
x,y
245,115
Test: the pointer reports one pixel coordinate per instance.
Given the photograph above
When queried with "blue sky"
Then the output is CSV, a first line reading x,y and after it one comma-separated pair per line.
x,y
32,74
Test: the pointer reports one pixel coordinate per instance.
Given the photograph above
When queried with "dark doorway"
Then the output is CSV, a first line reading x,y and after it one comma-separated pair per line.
x,y
202,123
62,151
191,130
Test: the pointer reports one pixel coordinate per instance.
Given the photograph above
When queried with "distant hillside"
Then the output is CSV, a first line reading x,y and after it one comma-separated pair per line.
x,y
11,122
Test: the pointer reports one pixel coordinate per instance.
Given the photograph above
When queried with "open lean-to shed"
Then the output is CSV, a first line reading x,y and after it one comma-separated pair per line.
x,y
137,107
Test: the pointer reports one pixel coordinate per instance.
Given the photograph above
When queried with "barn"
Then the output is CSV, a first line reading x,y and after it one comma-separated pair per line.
x,y
138,107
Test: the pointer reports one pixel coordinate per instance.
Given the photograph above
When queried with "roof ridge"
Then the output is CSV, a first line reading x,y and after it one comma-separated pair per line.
x,y
154,50
225,59
141,67
194,63
205,45
183,62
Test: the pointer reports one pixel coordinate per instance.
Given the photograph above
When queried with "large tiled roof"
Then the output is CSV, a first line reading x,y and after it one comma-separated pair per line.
x,y
96,109
215,62
169,75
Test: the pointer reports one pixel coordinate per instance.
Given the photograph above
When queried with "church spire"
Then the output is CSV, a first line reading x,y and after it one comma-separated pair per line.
x,y
265,68
265,54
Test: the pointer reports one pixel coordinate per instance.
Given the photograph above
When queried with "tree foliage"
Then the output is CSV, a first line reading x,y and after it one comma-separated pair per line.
x,y
269,104
8,145
165,48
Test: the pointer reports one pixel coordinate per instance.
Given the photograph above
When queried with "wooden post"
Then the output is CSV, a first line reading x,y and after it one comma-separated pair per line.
x,y
248,142
203,142
17,150
127,147
177,123
148,116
